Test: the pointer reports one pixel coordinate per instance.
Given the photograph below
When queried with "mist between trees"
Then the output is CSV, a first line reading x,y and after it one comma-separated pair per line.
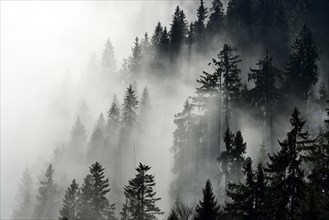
x,y
251,139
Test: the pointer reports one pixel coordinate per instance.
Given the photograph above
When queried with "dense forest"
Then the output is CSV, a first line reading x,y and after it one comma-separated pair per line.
x,y
259,69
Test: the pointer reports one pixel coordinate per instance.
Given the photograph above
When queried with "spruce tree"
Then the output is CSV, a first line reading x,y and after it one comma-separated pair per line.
x,y
207,207
113,117
238,153
108,62
302,70
70,203
129,109
24,201
286,172
172,215
47,197
178,31
265,94
140,195
135,59
93,201
200,25
215,23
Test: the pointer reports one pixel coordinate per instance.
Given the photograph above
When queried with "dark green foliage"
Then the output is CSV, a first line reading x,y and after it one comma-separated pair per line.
x,y
47,199
140,196
70,203
207,207
129,109
24,200
302,69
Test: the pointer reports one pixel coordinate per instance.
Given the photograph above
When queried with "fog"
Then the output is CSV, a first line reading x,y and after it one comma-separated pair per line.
x,y
51,74
45,45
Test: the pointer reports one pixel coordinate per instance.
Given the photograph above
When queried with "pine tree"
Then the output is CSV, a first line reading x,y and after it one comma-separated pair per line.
x,y
164,44
265,94
216,19
85,209
200,24
172,215
108,62
178,31
286,172
70,203
97,139
129,109
207,207
182,149
302,70
141,196
24,200
125,215
238,157
155,40
93,201
238,15
135,59
113,117
47,198
78,134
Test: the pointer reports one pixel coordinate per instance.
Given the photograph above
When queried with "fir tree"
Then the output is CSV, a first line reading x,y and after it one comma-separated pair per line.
x,y
86,207
302,70
172,215
286,172
265,94
200,24
24,200
129,109
216,18
113,117
207,207
47,198
178,31
135,59
108,62
141,196
70,202
238,157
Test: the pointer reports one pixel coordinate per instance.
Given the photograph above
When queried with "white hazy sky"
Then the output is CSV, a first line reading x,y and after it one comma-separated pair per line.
x,y
40,41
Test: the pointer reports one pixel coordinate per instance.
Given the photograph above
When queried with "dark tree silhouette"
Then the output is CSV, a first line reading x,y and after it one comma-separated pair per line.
x,y
70,203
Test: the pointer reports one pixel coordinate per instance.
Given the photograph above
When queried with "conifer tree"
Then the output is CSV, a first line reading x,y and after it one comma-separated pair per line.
x,y
108,62
286,172
144,107
140,195
129,109
155,40
178,31
70,202
93,201
200,24
47,197
97,139
302,70
164,44
238,15
265,94
216,18
24,206
135,59
207,207
113,117
78,134
323,95
172,215
238,157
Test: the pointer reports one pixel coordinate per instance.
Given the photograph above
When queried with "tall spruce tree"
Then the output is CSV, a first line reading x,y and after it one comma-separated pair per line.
x,y
286,172
93,201
302,70
199,26
47,199
140,195
135,59
113,117
129,109
215,24
178,31
207,207
238,158
265,94
70,203
24,200
108,62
